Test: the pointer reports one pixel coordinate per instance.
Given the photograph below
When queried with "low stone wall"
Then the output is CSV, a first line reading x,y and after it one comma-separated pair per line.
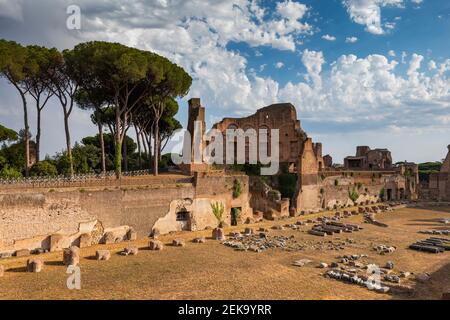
x,y
29,219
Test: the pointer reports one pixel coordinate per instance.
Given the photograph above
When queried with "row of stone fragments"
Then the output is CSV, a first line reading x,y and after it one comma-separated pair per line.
x,y
71,256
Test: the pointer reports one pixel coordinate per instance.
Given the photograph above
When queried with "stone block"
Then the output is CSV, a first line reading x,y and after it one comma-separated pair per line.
x,y
56,242
133,251
218,234
199,240
178,243
155,245
71,256
103,255
109,238
22,253
132,235
35,265
85,240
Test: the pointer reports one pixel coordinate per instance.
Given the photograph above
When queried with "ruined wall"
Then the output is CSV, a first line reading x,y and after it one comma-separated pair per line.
x,y
39,214
308,190
283,117
267,200
438,188
28,219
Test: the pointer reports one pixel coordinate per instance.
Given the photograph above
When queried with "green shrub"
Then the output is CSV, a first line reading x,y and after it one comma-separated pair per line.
x,y
10,173
237,189
382,191
336,182
287,184
43,169
236,213
217,209
353,195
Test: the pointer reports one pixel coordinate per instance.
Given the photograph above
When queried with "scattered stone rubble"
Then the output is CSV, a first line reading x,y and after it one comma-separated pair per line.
x,y
301,262
332,227
261,241
436,232
371,218
432,245
353,269
383,249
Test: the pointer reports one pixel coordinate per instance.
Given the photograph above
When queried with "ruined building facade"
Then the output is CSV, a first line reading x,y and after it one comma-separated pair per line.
x,y
439,183
367,159
367,177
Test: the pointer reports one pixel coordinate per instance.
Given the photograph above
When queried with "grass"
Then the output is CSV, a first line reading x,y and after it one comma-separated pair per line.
x,y
213,271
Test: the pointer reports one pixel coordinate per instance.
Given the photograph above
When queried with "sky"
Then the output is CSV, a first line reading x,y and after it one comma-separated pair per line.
x,y
359,72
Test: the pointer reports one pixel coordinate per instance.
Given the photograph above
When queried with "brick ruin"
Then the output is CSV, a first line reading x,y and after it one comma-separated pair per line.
x,y
370,176
368,159
438,186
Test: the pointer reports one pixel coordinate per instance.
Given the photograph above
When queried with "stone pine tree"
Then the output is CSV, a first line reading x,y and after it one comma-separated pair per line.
x,y
129,77
7,135
37,83
93,99
14,67
168,125
65,88
175,83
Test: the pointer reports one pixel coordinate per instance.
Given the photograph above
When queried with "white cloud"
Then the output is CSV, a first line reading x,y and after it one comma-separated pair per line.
x,y
391,53
279,65
404,55
329,37
313,61
368,13
417,1
432,65
350,94
11,10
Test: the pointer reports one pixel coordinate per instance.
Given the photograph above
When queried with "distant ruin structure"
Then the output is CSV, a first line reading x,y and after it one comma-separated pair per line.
x,y
438,187
367,159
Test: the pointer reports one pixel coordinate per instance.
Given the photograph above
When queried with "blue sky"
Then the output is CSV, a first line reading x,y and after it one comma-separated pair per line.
x,y
371,72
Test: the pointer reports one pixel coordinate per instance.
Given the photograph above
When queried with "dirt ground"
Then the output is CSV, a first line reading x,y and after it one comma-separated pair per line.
x,y
214,271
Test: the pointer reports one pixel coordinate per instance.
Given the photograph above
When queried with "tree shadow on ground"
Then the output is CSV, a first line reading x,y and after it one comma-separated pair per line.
x,y
432,289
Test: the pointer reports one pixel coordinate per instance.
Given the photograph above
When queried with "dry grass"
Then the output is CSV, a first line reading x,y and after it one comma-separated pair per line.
x,y
213,271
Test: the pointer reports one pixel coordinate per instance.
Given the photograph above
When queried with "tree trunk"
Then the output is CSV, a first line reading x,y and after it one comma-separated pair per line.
x,y
156,146
102,145
27,134
118,148
144,144
38,131
68,143
138,140
125,154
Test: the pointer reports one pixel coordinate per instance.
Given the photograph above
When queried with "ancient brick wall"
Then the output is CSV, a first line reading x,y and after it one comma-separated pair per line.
x,y
29,218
